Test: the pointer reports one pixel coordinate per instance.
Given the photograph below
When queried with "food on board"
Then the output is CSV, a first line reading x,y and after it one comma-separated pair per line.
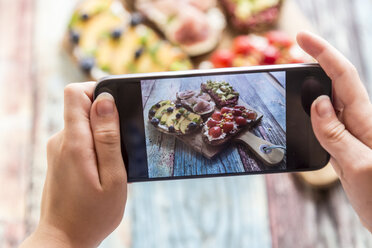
x,y
252,15
221,92
226,123
104,39
195,26
169,117
199,102
274,47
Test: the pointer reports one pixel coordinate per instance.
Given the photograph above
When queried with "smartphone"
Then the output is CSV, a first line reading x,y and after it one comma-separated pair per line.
x,y
218,122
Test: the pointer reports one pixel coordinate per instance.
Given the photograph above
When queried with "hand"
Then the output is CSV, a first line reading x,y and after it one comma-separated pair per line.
x,y
85,189
344,129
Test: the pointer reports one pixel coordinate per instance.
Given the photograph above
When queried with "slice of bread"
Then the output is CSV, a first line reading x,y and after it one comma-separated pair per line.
x,y
194,30
103,38
256,15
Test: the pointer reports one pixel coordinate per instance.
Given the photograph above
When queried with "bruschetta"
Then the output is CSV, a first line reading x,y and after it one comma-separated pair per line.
x,y
195,26
104,38
252,15
221,92
170,117
199,102
227,123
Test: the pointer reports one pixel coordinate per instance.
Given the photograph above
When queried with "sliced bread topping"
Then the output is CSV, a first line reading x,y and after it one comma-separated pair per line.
x,y
221,92
170,117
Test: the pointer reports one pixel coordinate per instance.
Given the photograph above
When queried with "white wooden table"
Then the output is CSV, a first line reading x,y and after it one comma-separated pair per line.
x,y
245,211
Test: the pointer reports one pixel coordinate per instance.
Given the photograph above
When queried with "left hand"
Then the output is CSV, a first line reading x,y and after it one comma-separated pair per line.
x,y
85,189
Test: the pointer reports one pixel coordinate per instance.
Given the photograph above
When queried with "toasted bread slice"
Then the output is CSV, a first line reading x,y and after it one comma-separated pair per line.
x,y
168,117
196,31
104,38
254,15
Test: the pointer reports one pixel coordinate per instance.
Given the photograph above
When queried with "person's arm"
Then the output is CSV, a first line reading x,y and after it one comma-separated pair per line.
x,y
344,129
85,189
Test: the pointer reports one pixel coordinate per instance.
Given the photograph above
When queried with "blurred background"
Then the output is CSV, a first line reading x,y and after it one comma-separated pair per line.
x,y
44,45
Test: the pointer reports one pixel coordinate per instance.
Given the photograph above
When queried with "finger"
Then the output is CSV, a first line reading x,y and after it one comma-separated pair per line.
x,y
344,76
77,103
333,136
106,132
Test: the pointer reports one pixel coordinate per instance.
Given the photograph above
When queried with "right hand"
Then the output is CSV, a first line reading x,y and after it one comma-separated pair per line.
x,y
344,129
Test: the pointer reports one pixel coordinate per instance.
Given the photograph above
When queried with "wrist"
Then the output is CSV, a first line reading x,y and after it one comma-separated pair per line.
x,y
51,236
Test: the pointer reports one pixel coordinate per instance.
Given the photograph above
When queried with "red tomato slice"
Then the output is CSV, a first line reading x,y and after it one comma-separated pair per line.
x,y
226,110
222,58
217,116
239,107
227,127
271,54
237,112
278,38
215,132
212,123
242,45
241,121
251,115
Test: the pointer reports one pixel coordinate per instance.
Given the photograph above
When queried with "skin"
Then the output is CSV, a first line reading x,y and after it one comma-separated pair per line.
x,y
86,190
344,129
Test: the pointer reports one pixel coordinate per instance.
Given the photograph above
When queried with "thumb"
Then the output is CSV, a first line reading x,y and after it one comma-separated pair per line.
x,y
333,136
104,120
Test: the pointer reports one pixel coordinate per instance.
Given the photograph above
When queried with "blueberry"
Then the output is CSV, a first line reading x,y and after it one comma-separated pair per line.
x,y
139,52
87,64
178,115
192,125
155,121
170,109
178,105
84,17
152,112
74,37
116,34
171,129
157,105
136,19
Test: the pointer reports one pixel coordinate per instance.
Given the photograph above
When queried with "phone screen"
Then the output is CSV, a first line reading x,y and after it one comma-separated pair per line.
x,y
218,124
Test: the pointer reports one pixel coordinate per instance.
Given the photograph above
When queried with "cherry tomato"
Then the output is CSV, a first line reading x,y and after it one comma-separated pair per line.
x,y
226,110
279,38
239,107
237,112
227,126
212,123
241,121
251,115
242,45
270,55
222,58
217,116
215,132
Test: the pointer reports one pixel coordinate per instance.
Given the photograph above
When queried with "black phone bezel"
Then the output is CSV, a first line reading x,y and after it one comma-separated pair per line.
x,y
109,84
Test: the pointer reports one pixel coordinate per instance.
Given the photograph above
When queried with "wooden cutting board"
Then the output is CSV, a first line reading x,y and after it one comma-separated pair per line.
x,y
253,142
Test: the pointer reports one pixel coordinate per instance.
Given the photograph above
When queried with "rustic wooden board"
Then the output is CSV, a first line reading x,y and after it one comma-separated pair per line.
x,y
261,91
195,140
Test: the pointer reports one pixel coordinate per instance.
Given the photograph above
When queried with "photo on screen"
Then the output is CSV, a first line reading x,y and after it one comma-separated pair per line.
x,y
215,125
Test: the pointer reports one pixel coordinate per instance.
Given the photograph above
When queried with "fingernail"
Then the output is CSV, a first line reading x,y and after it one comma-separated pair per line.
x,y
105,104
324,106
